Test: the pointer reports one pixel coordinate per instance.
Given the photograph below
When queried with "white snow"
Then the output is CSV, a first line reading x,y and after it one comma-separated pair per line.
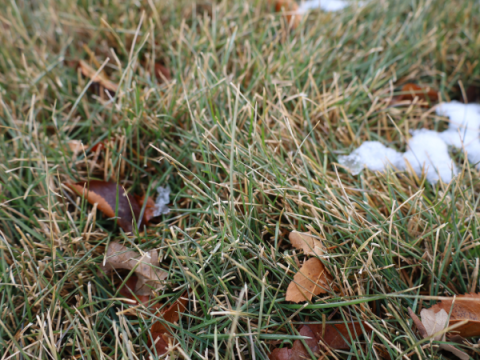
x,y
463,130
325,5
427,150
372,154
162,200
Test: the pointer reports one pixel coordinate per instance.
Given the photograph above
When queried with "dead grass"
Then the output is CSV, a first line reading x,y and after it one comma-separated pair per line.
x,y
247,134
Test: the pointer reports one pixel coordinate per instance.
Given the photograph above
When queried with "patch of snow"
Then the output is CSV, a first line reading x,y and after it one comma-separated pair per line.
x,y
427,149
162,200
463,130
428,152
374,155
325,5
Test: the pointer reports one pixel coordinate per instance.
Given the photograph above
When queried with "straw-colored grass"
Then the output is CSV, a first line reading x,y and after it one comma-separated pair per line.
x,y
247,135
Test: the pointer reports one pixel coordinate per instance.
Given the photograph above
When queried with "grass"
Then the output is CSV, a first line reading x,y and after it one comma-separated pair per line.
x,y
247,135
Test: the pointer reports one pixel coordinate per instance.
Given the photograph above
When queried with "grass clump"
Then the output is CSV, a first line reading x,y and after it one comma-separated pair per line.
x,y
246,134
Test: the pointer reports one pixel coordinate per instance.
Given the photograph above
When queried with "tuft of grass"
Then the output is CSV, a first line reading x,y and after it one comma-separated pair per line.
x,y
247,135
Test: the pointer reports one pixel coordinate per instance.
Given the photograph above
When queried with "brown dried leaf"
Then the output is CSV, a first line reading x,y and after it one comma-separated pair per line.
x,y
465,307
100,78
162,73
421,329
161,331
306,242
312,279
336,336
120,257
105,195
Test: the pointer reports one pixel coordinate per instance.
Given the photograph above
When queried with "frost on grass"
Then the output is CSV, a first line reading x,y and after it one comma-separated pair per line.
x,y
325,5
463,129
374,155
428,152
162,200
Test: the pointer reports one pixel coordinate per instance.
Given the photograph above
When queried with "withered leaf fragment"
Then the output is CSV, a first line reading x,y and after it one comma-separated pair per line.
x,y
161,331
411,91
306,242
105,195
312,279
145,267
150,207
100,78
335,336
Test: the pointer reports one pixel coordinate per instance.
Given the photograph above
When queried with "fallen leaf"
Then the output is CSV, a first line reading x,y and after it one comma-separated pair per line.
x,y
76,147
312,279
464,307
161,331
336,336
100,145
150,208
100,78
418,323
120,257
128,291
105,195
411,91
306,242
162,73
291,11
432,323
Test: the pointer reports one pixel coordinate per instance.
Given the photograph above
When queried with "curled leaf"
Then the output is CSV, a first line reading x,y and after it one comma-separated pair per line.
x,y
120,257
100,78
306,242
105,195
312,279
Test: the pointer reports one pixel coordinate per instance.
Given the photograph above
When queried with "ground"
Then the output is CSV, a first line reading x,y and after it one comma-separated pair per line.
x,y
247,134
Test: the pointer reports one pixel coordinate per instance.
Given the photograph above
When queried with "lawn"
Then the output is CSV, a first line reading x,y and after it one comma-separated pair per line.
x,y
246,127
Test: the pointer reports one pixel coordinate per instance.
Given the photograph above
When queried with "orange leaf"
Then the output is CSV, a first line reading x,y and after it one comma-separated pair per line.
x,y
90,72
465,307
312,279
290,7
150,207
410,91
105,195
336,336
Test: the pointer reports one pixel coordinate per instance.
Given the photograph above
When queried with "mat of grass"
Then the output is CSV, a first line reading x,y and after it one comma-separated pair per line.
x,y
247,135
